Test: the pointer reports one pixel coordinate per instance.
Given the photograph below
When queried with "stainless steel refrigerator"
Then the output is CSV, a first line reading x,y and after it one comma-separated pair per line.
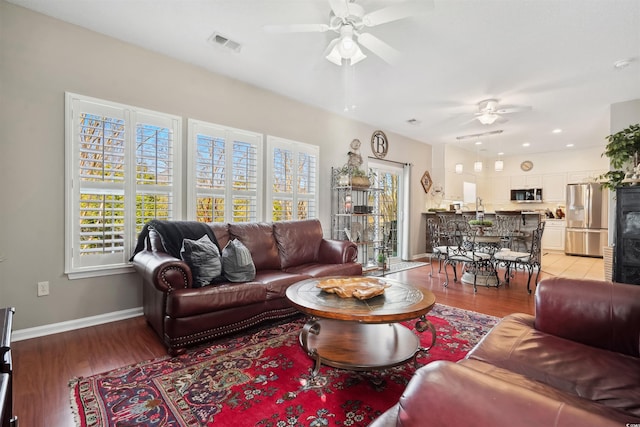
x,y
587,219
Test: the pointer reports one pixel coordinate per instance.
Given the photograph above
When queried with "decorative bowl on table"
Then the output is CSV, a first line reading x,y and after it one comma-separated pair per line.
x,y
353,287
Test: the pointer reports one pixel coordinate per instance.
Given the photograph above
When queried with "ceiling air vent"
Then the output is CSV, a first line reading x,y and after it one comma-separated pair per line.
x,y
224,42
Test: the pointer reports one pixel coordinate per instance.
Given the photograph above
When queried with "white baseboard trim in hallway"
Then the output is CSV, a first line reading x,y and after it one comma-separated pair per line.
x,y
70,325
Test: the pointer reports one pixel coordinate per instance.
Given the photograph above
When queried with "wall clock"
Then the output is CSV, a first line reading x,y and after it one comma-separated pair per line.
x,y
379,144
526,166
426,182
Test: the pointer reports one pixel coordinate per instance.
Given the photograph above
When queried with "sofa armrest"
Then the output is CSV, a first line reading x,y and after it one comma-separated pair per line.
x,y
448,394
162,270
337,252
596,313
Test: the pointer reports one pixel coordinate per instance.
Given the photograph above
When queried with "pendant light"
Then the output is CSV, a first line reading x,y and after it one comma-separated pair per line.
x,y
499,164
459,168
477,165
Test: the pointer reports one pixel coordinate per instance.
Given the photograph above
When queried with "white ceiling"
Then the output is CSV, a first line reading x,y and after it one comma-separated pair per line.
x,y
556,56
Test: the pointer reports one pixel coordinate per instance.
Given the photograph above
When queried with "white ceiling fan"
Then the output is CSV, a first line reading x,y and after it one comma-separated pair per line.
x,y
349,19
490,111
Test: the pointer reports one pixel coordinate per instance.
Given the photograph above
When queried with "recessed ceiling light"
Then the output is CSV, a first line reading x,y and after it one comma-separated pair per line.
x,y
569,145
478,142
556,131
526,144
501,154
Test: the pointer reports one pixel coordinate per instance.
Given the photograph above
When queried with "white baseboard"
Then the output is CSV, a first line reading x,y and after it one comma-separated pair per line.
x,y
70,325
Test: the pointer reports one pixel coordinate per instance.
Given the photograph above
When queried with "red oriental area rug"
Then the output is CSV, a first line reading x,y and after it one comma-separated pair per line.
x,y
262,378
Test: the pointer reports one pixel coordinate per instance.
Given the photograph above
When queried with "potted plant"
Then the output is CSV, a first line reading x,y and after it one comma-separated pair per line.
x,y
622,149
382,260
359,178
481,222
353,175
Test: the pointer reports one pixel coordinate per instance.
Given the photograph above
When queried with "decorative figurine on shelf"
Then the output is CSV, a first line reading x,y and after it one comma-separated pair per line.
x,y
351,173
347,203
355,159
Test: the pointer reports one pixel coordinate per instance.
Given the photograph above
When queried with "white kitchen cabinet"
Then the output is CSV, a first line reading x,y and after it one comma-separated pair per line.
x,y
519,182
584,176
553,235
500,190
453,187
554,187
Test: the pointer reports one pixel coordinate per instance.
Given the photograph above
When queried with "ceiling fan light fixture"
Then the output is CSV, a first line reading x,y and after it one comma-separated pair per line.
x,y
487,118
346,46
334,56
357,56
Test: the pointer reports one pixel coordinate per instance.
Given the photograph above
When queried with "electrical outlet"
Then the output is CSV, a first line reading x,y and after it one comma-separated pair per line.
x,y
43,289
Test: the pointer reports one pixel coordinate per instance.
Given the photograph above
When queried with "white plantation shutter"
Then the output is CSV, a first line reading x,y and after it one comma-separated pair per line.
x,y
156,169
120,173
292,179
224,167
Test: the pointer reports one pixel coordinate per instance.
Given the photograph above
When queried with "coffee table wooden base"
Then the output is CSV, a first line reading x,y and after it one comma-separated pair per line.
x,y
361,346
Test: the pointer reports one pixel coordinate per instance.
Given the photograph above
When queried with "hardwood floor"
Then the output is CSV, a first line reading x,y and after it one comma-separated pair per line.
x,y
43,366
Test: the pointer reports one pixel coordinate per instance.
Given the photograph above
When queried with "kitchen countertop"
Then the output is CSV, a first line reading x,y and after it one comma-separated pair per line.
x,y
487,213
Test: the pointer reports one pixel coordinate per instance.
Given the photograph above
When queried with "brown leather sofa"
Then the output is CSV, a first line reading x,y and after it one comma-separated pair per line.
x,y
576,363
283,253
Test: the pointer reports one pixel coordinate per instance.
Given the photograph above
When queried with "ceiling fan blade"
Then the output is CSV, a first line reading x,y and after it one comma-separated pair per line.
x,y
380,48
340,8
396,12
506,109
297,28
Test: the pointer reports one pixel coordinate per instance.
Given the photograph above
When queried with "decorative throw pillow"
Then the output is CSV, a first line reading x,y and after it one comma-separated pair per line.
x,y
203,258
237,264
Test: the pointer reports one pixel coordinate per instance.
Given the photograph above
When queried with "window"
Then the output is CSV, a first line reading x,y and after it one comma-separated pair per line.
x,y
224,166
122,169
292,179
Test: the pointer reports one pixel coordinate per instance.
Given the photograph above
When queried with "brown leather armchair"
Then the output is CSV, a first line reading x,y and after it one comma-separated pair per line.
x,y
576,363
283,253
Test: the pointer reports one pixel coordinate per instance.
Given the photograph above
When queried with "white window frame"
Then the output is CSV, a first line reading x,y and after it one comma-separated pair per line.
x,y
76,266
228,135
296,148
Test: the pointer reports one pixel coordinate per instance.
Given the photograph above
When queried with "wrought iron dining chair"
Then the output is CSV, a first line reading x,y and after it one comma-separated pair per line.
x,y
461,250
438,248
507,227
530,261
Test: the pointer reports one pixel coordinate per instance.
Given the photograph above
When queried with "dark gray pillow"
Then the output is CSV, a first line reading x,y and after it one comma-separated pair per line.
x,y
237,264
203,258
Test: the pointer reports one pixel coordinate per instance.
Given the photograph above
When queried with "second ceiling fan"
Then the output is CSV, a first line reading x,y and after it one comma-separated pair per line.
x,y
349,19
490,111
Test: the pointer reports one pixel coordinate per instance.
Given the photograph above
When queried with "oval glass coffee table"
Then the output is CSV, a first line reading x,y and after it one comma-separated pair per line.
x,y
355,334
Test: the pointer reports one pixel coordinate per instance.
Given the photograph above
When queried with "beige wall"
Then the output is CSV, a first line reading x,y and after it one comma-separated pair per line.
x,y
41,58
